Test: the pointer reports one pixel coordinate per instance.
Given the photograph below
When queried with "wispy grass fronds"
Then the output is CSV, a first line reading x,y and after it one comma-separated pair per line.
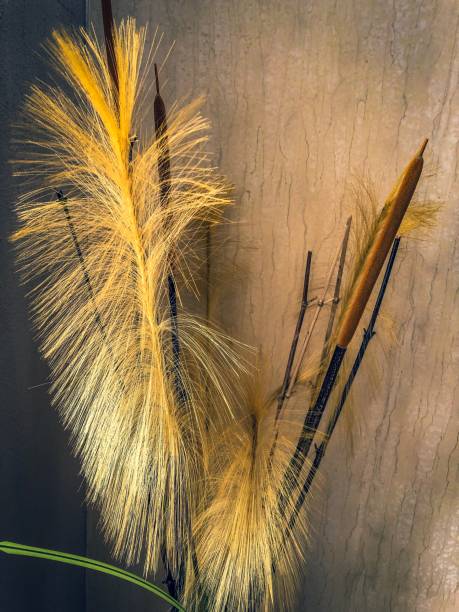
x,y
420,219
246,561
100,262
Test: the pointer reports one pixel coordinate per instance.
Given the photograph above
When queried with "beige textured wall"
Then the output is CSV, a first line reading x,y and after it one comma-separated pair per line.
x,y
301,96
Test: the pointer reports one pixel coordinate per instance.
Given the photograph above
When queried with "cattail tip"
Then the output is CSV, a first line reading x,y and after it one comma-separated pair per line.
x,y
422,147
157,78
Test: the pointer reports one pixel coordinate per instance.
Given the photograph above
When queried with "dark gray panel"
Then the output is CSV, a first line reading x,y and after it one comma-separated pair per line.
x,y
41,492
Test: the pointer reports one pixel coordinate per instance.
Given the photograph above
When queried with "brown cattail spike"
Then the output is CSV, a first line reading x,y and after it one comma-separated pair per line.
x,y
164,166
107,16
393,211
157,79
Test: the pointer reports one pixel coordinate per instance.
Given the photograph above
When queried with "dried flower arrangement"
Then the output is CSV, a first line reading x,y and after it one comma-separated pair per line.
x,y
182,451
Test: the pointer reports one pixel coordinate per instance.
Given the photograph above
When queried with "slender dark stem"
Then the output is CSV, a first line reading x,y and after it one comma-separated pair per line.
x,y
63,200
164,164
334,306
175,585
310,425
367,336
132,140
156,79
107,16
291,357
179,388
296,335
336,295
169,580
87,281
164,173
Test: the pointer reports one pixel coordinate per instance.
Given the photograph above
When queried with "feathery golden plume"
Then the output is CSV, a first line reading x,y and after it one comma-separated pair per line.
x,y
245,562
101,255
420,219
102,316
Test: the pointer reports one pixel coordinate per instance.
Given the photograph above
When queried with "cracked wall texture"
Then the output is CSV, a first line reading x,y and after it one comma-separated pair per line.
x,y
303,96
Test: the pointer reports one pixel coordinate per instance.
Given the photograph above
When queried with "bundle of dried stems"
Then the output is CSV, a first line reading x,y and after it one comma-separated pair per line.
x,y
180,456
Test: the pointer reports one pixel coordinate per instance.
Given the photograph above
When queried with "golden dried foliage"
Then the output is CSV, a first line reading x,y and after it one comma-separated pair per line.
x,y
243,552
162,466
420,219
103,318
248,558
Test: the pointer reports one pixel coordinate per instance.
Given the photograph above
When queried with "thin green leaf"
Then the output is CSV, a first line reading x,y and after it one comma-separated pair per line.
x,y
13,548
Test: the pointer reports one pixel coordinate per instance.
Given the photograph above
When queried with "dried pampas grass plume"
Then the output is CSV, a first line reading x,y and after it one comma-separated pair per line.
x,y
247,557
101,257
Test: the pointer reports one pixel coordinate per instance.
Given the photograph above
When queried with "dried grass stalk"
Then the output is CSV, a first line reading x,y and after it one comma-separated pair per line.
x,y
142,456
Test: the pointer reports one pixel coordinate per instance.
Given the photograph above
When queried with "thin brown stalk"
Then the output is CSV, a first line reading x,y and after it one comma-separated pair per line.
x,y
335,301
296,336
321,302
107,17
291,356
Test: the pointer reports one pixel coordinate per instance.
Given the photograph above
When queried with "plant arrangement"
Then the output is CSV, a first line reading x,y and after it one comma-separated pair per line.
x,y
190,461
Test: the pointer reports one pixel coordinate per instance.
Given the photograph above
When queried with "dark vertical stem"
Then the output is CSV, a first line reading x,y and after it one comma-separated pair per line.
x,y
132,141
179,388
107,16
291,357
311,423
174,584
164,189
336,295
164,164
87,281
382,290
334,306
169,580
164,174
367,336
296,335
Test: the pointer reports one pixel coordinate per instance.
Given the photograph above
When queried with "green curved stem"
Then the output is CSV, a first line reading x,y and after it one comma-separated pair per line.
x,y
13,548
